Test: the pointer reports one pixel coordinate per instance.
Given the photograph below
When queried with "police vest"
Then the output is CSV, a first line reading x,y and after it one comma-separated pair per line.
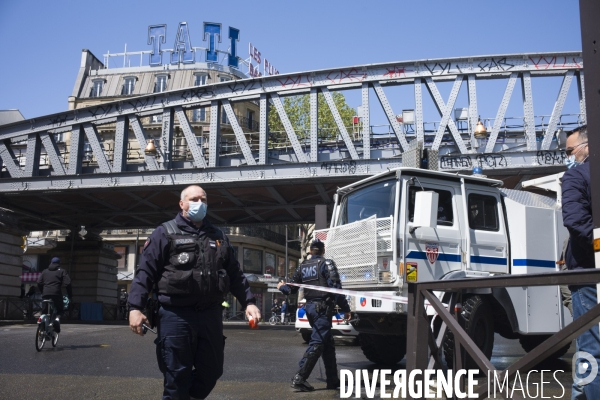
x,y
311,275
196,265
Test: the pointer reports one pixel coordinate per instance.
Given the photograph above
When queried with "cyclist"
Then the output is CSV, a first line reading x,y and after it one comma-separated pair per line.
x,y
50,284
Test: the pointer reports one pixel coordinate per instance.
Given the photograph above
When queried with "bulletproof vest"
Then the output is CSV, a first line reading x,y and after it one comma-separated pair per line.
x,y
196,265
311,275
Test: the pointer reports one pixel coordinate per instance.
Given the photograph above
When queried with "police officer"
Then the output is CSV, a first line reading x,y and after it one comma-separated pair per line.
x,y
319,307
50,284
191,265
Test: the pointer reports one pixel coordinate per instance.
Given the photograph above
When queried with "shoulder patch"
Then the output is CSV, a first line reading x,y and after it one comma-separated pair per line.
x,y
146,244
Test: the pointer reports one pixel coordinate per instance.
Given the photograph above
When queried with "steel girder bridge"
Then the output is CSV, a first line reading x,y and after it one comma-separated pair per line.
x,y
258,183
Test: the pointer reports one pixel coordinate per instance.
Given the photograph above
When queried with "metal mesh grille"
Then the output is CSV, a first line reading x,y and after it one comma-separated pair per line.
x,y
354,249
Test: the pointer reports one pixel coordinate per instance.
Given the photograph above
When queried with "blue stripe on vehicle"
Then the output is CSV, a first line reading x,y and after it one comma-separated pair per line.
x,y
488,260
528,262
421,255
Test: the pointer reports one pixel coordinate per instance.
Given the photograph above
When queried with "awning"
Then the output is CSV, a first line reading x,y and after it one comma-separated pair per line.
x,y
30,276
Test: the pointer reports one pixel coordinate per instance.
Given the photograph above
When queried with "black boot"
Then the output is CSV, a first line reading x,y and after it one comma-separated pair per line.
x,y
299,383
56,325
311,357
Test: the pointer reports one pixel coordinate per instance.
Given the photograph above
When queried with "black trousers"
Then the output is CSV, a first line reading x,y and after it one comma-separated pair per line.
x,y
189,349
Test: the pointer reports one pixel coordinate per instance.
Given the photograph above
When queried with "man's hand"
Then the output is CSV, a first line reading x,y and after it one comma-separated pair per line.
x,y
280,284
253,311
136,320
347,316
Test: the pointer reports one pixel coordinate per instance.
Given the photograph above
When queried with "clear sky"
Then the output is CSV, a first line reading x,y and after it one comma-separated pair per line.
x,y
41,41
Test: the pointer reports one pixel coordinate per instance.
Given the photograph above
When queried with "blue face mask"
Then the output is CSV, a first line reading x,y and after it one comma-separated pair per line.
x,y
197,211
571,163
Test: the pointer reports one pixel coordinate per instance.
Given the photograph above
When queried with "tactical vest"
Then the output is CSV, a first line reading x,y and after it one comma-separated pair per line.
x,y
196,265
311,275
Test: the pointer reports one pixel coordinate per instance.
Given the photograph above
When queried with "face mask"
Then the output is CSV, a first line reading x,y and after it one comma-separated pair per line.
x,y
197,211
570,162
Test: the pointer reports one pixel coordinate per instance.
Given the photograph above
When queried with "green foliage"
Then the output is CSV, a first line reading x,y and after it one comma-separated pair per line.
x,y
298,112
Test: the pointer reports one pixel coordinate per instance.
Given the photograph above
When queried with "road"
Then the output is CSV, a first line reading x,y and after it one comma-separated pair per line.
x,y
109,362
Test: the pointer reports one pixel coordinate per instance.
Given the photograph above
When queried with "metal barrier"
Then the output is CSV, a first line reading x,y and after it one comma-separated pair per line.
x,y
418,357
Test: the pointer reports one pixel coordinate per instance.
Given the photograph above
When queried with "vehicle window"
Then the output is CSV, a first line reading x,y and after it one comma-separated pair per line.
x,y
445,211
483,212
377,199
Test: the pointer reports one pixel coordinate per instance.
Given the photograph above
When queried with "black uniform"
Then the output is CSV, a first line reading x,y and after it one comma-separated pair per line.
x,y
50,284
319,307
193,269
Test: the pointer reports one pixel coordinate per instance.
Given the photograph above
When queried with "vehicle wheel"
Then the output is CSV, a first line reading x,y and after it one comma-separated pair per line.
x,y
478,323
40,337
383,349
306,336
530,342
54,338
273,321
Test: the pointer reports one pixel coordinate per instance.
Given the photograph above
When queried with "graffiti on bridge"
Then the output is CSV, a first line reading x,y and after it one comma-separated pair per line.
x,y
466,162
343,167
548,157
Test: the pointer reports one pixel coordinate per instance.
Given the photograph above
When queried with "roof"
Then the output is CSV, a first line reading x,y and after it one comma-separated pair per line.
x,y
9,116
434,174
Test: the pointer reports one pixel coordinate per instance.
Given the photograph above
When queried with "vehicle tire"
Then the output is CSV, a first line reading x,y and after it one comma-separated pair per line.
x,y
306,336
273,321
54,338
478,322
40,337
383,349
530,342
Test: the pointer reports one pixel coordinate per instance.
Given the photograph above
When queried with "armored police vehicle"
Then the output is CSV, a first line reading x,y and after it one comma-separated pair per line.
x,y
415,225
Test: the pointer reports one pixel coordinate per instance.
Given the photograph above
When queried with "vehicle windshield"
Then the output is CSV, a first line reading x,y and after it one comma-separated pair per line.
x,y
377,199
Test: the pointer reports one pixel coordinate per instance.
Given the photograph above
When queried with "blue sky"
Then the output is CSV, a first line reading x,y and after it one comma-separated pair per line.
x,y
42,40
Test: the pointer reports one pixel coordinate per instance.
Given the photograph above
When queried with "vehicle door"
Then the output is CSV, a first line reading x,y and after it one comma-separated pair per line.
x,y
489,242
433,252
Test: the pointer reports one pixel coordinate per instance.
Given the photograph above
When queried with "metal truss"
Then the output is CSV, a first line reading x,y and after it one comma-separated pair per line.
x,y
458,148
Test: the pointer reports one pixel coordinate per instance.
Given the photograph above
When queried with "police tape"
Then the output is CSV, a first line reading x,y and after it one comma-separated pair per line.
x,y
346,292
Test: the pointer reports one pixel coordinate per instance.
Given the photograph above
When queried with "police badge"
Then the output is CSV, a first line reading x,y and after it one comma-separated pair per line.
x,y
183,258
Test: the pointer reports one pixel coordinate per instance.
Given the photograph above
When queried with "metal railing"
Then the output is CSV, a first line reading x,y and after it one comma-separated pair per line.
x,y
418,357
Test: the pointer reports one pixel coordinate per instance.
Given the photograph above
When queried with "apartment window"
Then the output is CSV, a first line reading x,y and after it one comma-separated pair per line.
x,y
156,119
270,263
199,140
224,79
96,87
250,119
88,153
123,251
128,85
199,114
253,261
200,79
224,119
161,83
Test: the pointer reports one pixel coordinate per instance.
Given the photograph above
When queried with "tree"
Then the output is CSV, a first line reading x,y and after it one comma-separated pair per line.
x,y
298,112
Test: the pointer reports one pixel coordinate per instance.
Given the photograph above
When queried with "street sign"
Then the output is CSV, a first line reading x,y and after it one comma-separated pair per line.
x,y
274,290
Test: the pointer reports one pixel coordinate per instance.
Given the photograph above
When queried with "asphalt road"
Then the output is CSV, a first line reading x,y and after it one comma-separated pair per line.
x,y
109,362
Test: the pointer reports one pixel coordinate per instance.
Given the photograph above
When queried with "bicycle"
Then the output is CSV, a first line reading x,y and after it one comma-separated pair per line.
x,y
276,319
45,328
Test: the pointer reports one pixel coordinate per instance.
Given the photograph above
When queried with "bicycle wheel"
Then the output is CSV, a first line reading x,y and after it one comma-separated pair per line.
x,y
54,338
273,321
40,337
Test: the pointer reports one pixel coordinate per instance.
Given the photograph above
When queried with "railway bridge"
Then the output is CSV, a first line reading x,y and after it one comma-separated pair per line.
x,y
258,176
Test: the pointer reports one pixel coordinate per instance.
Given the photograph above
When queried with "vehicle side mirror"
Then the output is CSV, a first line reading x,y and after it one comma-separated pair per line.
x,y
426,210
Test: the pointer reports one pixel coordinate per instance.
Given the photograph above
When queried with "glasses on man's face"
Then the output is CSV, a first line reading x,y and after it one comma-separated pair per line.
x,y
569,150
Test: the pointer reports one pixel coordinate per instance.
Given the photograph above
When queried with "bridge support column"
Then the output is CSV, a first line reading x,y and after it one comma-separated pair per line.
x,y
11,260
93,271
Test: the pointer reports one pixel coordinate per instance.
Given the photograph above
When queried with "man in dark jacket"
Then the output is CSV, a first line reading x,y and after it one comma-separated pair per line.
x,y
577,218
50,284
192,266
319,307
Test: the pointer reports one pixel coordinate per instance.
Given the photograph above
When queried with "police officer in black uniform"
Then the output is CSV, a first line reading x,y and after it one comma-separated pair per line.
x,y
191,265
50,284
319,307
